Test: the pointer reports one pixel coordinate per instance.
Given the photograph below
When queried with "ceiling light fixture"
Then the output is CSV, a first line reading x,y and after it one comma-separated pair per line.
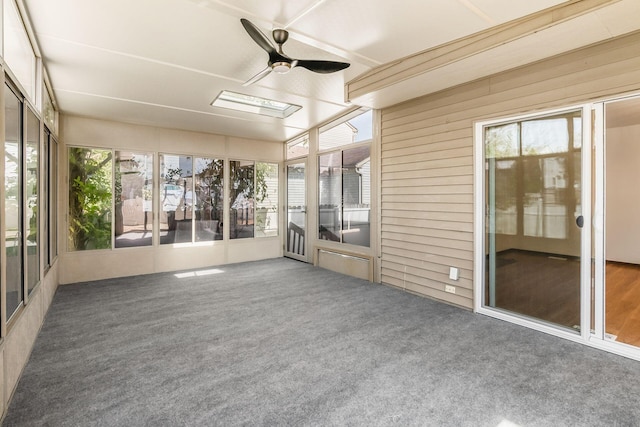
x,y
281,67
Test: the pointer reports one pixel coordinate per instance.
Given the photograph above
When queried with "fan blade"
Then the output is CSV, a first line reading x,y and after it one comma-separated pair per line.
x,y
258,36
257,77
322,67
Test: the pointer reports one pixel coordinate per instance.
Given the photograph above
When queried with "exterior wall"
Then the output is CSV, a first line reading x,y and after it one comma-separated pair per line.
x,y
100,264
427,158
15,348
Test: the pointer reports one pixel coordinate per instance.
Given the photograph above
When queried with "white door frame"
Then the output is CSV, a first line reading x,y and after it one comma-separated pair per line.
x,y
479,231
598,337
593,132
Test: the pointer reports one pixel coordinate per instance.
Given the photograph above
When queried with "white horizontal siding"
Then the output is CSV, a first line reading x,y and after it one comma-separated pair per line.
x,y
427,158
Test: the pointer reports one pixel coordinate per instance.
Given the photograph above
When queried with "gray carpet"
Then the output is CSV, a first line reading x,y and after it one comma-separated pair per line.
x,y
280,342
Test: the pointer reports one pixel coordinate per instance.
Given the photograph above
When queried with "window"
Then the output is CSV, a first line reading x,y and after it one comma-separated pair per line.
x,y
266,199
133,199
48,110
90,198
14,293
209,198
176,198
352,129
32,164
18,52
241,199
52,186
298,147
344,180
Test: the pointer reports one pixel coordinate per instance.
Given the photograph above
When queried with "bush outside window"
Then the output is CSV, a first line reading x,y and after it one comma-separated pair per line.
x,y
90,198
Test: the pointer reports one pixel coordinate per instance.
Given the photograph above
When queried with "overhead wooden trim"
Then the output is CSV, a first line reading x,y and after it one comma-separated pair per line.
x,y
448,53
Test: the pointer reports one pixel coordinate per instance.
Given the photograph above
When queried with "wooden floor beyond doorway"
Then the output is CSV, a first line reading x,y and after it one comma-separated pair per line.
x,y
623,302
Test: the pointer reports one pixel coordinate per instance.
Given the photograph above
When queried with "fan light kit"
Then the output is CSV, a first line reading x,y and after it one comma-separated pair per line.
x,y
281,63
281,67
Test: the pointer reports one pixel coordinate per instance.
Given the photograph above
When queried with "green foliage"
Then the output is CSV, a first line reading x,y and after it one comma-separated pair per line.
x,y
90,196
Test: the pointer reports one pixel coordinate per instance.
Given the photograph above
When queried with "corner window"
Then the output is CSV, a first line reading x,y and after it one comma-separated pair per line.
x,y
344,181
298,147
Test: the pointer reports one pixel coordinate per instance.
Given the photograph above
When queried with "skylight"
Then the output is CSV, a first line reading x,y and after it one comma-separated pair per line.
x,y
254,104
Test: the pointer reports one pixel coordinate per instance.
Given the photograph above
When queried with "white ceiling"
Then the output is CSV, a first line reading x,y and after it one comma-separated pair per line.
x,y
162,62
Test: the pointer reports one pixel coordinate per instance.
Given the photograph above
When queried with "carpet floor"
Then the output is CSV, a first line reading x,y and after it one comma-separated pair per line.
x,y
280,342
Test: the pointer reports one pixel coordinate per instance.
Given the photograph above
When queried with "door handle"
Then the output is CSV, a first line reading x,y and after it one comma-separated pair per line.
x,y
580,221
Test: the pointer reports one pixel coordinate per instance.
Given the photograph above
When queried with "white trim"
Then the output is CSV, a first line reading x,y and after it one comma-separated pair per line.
x,y
478,216
585,231
598,218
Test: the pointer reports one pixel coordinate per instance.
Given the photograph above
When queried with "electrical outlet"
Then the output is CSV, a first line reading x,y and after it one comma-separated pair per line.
x,y
450,289
453,273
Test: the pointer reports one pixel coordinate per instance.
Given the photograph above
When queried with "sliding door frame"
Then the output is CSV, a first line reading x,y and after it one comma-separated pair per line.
x,y
585,232
598,337
593,212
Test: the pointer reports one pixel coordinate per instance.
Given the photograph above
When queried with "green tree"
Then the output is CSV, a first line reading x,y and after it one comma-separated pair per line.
x,y
90,195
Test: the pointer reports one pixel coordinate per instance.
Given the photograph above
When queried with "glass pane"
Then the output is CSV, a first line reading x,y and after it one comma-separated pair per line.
x,y
330,196
176,198
45,199
351,131
545,197
53,200
506,220
356,195
209,179
296,209
134,199
533,200
90,198
299,147
501,141
266,199
241,196
12,202
18,53
48,111
545,136
32,205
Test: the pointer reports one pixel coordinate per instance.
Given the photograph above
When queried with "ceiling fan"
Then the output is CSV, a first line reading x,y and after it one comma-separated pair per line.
x,y
281,63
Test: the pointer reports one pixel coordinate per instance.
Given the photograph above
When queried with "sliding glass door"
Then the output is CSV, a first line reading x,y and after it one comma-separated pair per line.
x,y
533,218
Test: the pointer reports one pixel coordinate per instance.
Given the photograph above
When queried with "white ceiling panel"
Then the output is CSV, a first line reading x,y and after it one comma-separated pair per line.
x,y
498,12
161,62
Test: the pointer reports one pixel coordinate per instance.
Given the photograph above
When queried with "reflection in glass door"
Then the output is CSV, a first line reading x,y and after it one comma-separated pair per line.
x,y
296,242
533,218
